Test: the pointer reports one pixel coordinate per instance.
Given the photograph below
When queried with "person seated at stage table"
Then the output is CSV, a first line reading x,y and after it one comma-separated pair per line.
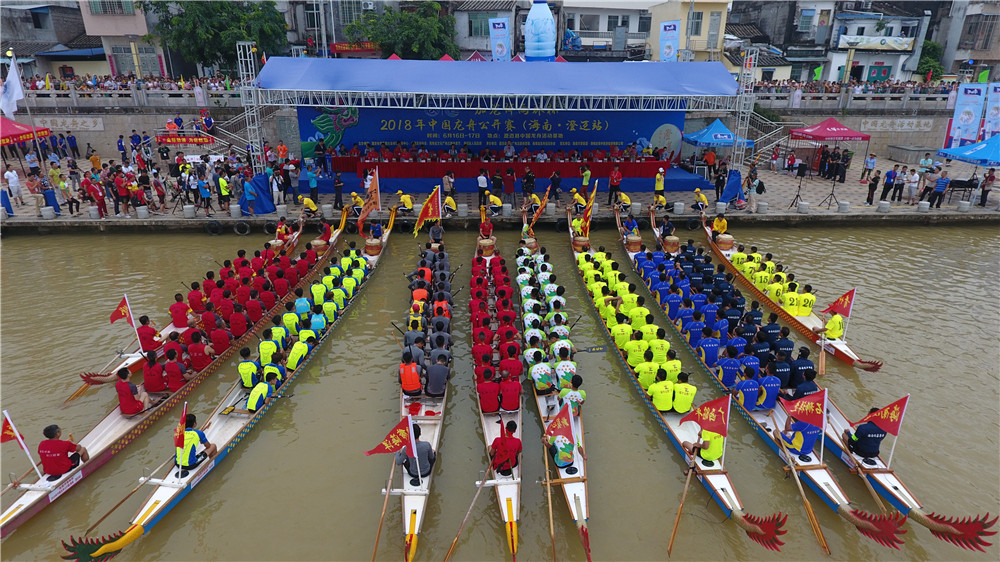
x,y
357,203
405,203
579,203
495,204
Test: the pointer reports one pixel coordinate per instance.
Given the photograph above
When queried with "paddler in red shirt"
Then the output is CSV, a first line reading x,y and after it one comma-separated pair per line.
x,y
196,299
310,254
147,335
201,354
60,456
131,400
179,313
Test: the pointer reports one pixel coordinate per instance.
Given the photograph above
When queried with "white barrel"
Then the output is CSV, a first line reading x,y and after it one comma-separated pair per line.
x,y
416,209
594,210
964,206
844,207
463,210
636,209
803,208
235,211
883,207
550,209
678,208
923,206
48,213
506,209
142,212
282,210
189,211
3,214
327,211
720,207
94,212
762,208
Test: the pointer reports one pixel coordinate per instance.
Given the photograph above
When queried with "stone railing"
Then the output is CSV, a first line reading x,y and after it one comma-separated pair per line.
x,y
850,100
133,97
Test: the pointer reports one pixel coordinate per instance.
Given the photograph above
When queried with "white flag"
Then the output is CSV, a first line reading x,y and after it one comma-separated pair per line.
x,y
12,90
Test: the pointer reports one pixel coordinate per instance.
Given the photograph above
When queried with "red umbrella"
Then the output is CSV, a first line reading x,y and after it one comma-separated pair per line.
x,y
476,56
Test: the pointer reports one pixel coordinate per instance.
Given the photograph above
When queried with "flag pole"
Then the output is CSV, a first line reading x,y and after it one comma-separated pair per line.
x,y
822,436
847,320
31,122
17,434
896,437
131,318
413,445
728,407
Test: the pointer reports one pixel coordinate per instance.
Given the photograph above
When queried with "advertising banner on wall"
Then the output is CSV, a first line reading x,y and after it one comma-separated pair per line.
x,y
966,123
992,127
670,38
500,39
534,129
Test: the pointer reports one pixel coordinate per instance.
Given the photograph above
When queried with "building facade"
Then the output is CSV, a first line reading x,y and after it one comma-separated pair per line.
x,y
970,31
702,29
121,27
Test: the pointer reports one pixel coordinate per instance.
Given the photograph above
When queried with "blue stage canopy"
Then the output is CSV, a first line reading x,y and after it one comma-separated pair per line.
x,y
488,78
715,134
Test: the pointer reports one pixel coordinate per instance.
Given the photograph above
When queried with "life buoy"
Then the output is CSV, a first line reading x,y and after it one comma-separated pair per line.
x,y
562,225
242,228
270,227
213,227
693,224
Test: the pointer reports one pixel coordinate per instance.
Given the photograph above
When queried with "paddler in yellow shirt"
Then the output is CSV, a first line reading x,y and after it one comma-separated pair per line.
x,y
760,278
719,226
579,203
806,301
834,328
739,258
775,289
790,298
405,203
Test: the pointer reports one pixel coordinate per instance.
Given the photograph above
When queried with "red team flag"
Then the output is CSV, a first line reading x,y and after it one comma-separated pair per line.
x,y
808,409
561,425
373,201
396,439
889,418
431,211
843,305
123,311
589,210
8,433
179,430
712,416
538,213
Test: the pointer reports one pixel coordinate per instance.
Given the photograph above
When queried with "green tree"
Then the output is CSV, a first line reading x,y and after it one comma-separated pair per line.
x,y
207,32
421,33
930,60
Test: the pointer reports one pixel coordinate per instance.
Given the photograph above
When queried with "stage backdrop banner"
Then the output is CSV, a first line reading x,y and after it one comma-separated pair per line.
x,y
500,39
438,129
964,126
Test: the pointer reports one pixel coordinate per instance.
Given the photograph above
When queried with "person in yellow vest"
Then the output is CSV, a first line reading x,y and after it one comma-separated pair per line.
x,y
624,202
834,328
261,393
739,258
684,393
806,301
647,371
761,278
578,228
661,392
187,456
300,350
309,208
672,366
579,203
658,186
357,204
775,289
405,203
754,255
659,201
719,226
449,206
710,446
495,204
790,298
700,201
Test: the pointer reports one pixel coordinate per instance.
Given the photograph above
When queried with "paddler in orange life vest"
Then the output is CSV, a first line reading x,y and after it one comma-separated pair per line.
x,y
410,375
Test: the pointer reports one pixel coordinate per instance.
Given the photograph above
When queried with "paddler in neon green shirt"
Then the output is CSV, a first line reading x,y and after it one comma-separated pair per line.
x,y
661,392
636,349
775,289
790,298
684,394
710,446
672,366
806,301
738,258
761,278
574,395
646,371
834,328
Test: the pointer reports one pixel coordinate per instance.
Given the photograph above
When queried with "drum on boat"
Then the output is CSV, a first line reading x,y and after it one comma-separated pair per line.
x,y
435,247
277,246
531,243
633,243
373,246
671,244
318,243
487,245
581,243
725,242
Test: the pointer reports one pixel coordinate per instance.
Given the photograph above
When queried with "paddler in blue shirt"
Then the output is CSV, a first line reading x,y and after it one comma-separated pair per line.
x,y
865,440
187,456
746,390
807,387
630,227
261,393
375,231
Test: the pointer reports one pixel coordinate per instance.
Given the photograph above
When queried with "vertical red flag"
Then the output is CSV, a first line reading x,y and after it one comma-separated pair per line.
x,y
8,433
843,305
712,416
561,425
588,211
808,409
889,418
123,311
373,201
538,213
396,439
179,430
430,211
929,74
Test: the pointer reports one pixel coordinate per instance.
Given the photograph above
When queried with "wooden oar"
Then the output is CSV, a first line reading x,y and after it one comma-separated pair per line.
x,y
80,391
677,520
548,497
822,355
479,489
134,490
397,328
397,341
388,488
809,510
454,272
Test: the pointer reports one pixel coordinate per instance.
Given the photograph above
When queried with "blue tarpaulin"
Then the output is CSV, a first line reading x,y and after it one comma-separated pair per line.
x,y
263,204
734,187
50,199
5,201
986,153
470,77
715,134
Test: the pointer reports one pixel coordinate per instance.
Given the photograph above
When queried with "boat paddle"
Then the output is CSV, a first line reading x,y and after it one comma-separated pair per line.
x,y
397,340
594,349
574,323
479,489
134,490
15,482
186,286
809,510
80,391
385,504
677,520
452,276
822,355
397,328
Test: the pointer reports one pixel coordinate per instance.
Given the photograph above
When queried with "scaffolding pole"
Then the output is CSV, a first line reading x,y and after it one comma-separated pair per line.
x,y
246,59
744,107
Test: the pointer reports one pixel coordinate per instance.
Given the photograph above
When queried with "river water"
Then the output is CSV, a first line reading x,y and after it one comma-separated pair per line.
x,y
299,488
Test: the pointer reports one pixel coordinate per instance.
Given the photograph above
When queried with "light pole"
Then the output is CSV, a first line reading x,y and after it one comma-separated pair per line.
x,y
27,107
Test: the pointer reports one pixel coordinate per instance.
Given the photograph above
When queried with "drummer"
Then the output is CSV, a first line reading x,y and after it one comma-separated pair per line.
x,y
436,233
375,230
486,230
719,226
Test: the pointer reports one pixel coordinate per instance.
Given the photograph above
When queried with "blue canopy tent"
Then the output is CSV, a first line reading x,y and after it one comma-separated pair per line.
x,y
986,153
715,134
263,205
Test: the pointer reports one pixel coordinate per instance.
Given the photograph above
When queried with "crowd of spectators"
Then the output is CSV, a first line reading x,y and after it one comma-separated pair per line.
x,y
829,87
89,83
